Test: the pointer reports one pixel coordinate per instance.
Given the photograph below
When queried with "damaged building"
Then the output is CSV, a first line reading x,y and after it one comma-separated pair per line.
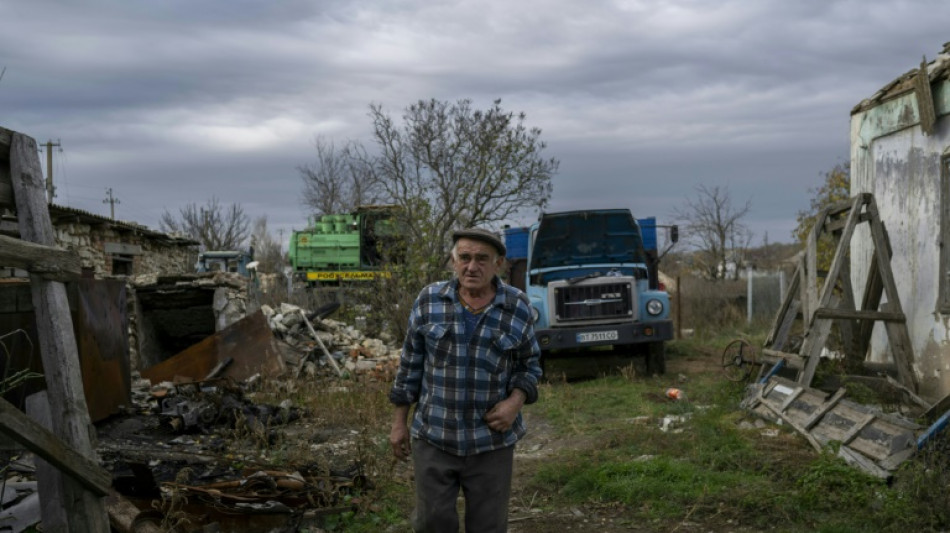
x,y
900,152
137,303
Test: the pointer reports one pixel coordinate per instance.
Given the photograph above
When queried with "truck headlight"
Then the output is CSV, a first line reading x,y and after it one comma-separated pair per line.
x,y
654,307
535,314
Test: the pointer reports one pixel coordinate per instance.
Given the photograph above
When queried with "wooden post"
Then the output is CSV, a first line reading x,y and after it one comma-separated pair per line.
x,y
60,355
49,481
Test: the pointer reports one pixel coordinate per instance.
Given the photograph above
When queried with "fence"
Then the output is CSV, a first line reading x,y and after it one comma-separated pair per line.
x,y
701,304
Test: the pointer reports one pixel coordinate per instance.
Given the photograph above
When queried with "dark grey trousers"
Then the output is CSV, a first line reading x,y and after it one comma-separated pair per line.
x,y
485,481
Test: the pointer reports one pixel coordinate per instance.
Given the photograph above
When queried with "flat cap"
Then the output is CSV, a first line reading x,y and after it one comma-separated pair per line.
x,y
480,234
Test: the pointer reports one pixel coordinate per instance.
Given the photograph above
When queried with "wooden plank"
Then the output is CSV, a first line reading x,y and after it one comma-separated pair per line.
x,y
871,301
845,314
791,398
925,100
897,334
847,327
58,347
797,427
838,225
785,317
49,263
815,340
48,480
916,399
809,296
824,408
858,426
839,420
880,439
43,443
791,360
856,459
902,349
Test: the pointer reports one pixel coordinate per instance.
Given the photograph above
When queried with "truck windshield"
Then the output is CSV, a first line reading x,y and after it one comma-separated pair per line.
x,y
587,237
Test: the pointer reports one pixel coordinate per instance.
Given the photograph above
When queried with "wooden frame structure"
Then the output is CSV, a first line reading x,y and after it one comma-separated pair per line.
x,y
71,482
820,300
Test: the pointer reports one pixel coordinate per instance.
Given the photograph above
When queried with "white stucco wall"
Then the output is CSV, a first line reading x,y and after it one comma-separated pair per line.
x,y
901,167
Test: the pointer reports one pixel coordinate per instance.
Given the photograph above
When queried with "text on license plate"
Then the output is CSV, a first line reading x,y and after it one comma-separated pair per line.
x,y
597,336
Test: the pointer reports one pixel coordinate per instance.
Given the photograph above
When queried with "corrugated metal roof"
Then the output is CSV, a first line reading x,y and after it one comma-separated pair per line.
x,y
938,69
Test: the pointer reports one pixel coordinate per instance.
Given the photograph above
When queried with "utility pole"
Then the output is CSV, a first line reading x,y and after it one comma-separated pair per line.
x,y
111,201
49,170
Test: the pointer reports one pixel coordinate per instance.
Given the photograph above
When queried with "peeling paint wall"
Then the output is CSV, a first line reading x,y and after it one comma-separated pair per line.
x,y
894,160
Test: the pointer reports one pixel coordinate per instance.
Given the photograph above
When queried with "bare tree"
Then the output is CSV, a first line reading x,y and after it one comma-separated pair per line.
x,y
213,225
450,166
267,250
338,181
714,225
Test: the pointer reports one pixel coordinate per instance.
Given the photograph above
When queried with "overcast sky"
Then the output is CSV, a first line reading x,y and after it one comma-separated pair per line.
x,y
168,102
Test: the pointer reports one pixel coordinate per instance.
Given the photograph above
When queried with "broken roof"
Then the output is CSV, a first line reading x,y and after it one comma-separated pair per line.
x,y
938,69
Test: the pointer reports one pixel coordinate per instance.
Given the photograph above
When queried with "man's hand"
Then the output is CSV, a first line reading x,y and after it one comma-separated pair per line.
x,y
503,414
399,434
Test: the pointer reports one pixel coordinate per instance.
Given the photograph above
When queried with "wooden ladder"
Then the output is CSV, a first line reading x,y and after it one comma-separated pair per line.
x,y
819,300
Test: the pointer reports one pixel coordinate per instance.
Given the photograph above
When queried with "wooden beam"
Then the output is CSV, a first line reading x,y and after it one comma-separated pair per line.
x,y
791,360
58,349
49,263
44,444
925,100
845,314
825,407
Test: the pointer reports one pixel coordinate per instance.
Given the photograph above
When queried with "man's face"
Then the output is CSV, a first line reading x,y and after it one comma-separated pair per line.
x,y
476,263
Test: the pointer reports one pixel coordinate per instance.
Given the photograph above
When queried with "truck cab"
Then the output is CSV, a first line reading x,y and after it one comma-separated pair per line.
x,y
592,286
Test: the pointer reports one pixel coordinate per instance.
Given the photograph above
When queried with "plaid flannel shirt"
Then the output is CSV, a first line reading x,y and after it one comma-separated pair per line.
x,y
454,385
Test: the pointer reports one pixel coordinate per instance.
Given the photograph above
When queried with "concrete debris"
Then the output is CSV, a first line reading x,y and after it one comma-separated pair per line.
x,y
350,348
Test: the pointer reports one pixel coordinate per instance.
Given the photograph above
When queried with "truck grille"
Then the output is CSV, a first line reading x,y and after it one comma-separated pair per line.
x,y
593,301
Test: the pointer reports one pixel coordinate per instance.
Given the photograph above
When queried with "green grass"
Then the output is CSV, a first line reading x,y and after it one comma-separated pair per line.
x,y
713,472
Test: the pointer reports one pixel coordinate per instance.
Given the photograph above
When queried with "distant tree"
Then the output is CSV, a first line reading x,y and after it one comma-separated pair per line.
x,y
834,189
450,166
713,225
338,181
267,250
444,166
213,225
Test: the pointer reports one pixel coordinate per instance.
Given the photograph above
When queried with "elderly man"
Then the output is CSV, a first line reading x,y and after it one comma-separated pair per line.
x,y
470,362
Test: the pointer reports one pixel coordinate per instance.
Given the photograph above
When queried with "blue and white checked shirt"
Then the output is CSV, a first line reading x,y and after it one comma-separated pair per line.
x,y
454,384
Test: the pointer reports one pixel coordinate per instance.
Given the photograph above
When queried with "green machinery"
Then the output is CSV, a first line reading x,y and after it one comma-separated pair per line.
x,y
349,247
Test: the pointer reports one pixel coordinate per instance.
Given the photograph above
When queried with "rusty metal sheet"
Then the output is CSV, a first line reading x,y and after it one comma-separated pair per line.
x,y
249,342
100,325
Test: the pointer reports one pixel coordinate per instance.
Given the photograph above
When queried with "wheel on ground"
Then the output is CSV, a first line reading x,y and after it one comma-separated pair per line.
x,y
656,359
738,360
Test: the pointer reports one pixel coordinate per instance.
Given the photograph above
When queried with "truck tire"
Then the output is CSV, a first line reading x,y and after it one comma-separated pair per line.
x,y
656,359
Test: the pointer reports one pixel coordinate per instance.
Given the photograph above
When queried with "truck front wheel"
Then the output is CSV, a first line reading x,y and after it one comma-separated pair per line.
x,y
656,358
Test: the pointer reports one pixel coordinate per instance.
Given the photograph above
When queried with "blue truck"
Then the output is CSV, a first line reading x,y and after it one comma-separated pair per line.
x,y
592,280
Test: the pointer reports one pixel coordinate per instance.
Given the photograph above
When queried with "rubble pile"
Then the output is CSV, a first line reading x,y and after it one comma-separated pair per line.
x,y
317,339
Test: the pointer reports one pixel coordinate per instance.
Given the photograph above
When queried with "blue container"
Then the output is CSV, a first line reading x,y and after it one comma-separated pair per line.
x,y
648,232
516,241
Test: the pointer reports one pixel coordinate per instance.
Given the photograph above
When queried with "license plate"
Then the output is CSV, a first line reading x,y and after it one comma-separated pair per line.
x,y
597,336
